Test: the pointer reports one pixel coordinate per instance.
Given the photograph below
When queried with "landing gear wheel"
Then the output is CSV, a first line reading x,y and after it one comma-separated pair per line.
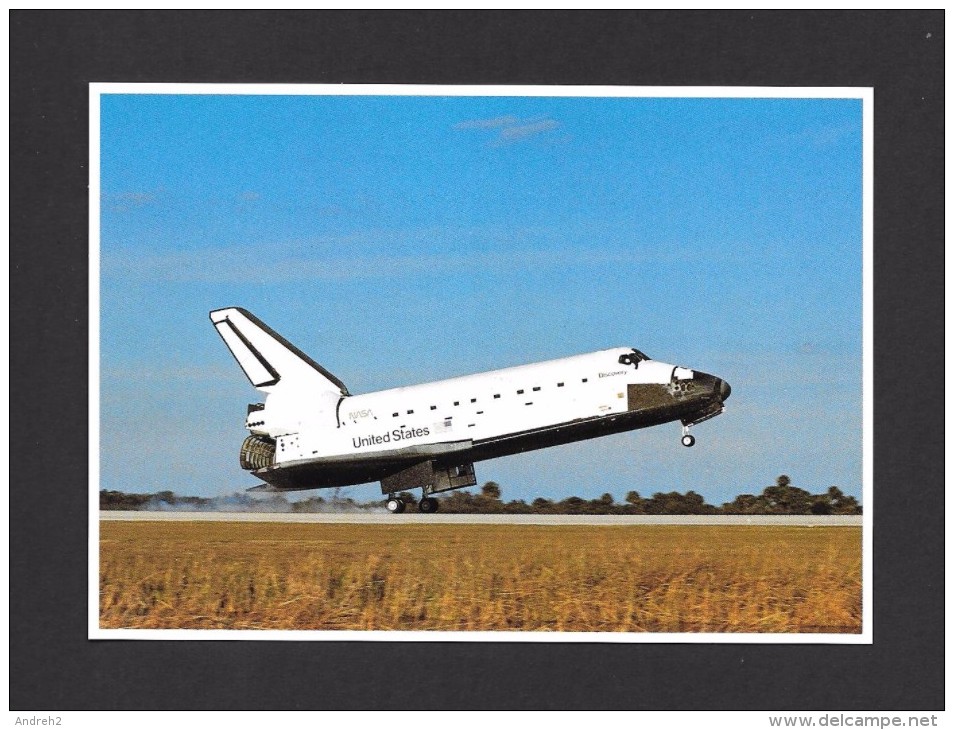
x,y
395,505
688,440
427,505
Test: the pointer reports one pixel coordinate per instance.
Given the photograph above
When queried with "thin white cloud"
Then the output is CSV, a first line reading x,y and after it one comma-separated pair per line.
x,y
521,131
494,123
510,129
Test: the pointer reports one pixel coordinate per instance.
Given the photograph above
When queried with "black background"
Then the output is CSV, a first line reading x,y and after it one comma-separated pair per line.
x,y
54,55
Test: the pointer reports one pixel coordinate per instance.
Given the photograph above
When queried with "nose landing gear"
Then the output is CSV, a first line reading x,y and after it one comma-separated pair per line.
x,y
687,423
687,438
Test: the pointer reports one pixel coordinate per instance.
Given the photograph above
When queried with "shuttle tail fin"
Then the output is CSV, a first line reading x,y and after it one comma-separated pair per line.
x,y
266,357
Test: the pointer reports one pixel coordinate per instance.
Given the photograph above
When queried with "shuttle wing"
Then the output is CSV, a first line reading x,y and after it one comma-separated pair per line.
x,y
362,467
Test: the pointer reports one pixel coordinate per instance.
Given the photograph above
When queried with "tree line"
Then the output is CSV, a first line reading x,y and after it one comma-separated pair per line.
x,y
781,498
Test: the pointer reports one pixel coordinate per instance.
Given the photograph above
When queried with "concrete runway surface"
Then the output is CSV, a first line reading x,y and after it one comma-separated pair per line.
x,y
415,518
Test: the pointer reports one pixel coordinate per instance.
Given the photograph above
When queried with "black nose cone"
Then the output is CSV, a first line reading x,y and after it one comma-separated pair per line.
x,y
725,390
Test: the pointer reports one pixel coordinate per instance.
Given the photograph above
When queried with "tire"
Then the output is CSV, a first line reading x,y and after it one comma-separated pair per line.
x,y
395,506
688,440
428,505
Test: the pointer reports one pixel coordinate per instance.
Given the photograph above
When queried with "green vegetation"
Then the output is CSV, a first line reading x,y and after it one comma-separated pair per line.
x,y
779,499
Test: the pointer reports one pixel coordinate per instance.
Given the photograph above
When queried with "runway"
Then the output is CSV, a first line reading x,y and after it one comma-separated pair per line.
x,y
385,518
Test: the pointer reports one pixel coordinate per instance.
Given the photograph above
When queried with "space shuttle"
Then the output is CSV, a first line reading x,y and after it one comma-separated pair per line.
x,y
311,432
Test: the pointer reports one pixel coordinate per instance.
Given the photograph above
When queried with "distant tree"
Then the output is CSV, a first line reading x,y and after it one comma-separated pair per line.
x,y
490,490
664,503
674,503
517,507
113,500
572,506
821,507
695,499
841,503
542,504
635,504
461,502
744,504
780,498
602,505
784,499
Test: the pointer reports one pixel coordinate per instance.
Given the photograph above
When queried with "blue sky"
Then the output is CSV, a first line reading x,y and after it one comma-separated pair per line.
x,y
403,239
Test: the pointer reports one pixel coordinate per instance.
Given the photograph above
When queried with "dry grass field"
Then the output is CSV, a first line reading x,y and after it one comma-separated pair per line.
x,y
200,575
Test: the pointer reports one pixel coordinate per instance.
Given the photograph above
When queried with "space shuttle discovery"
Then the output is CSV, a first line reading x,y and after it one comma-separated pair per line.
x,y
311,432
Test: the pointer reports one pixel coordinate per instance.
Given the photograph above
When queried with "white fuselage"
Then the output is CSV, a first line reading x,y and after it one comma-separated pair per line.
x,y
473,408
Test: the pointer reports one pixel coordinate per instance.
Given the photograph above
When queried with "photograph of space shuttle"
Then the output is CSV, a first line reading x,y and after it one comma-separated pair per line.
x,y
311,432
476,341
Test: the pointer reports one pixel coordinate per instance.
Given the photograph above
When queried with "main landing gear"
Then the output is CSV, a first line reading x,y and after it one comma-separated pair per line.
x,y
427,505
687,438
396,505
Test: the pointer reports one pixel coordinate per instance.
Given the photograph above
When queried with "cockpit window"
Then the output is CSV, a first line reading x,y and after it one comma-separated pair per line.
x,y
633,358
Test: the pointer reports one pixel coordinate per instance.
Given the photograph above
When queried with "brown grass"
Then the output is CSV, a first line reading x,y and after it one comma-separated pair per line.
x,y
480,577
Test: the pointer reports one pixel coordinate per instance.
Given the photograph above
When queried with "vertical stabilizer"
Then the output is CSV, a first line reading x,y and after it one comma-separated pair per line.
x,y
267,358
